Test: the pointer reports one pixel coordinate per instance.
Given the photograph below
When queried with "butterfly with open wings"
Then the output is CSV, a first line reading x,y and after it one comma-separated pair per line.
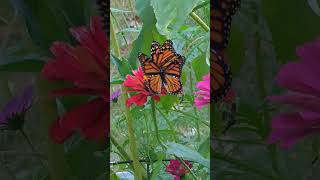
x,y
163,69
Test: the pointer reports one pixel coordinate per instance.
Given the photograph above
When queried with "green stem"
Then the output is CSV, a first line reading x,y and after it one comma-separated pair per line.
x,y
48,113
193,117
200,6
194,108
132,139
122,34
169,124
31,146
262,94
187,167
196,18
154,118
114,40
124,154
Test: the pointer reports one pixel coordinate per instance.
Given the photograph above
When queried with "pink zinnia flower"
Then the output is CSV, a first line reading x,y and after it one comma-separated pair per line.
x,y
177,169
136,83
203,95
302,80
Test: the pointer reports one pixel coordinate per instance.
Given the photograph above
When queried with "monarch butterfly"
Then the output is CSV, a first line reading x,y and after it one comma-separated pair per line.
x,y
221,16
221,76
163,69
104,8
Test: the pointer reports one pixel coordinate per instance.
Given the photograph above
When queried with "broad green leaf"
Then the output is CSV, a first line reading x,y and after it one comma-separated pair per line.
x,y
204,147
73,11
157,166
187,153
113,176
298,25
168,101
148,32
200,66
122,65
83,163
173,13
44,22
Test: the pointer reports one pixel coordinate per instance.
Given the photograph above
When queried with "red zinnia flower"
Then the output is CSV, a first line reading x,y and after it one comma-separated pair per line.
x,y
177,169
137,83
85,65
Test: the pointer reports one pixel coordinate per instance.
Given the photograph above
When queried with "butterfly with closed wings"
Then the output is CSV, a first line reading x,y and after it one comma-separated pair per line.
x,y
220,20
163,69
221,16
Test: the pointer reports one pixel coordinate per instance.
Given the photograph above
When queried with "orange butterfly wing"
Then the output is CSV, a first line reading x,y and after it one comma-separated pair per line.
x,y
220,20
163,69
220,77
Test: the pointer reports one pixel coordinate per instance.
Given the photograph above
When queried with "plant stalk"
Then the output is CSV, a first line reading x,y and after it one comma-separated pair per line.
x,y
31,146
48,113
132,139
198,20
154,118
114,40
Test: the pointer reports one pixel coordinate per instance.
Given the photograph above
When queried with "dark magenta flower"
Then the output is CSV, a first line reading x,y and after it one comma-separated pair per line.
x,y
203,95
84,65
177,169
302,80
12,116
136,83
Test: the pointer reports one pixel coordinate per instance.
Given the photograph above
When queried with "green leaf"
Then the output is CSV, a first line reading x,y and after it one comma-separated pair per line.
x,y
83,163
116,81
187,153
148,32
113,176
204,147
122,65
45,23
173,13
299,24
168,101
157,166
22,66
200,66
73,11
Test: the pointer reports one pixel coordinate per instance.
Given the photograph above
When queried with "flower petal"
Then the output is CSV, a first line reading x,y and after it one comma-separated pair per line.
x,y
309,52
300,77
299,100
80,117
138,99
287,129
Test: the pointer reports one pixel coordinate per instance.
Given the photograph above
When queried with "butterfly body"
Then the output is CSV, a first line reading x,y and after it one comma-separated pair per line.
x,y
163,70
